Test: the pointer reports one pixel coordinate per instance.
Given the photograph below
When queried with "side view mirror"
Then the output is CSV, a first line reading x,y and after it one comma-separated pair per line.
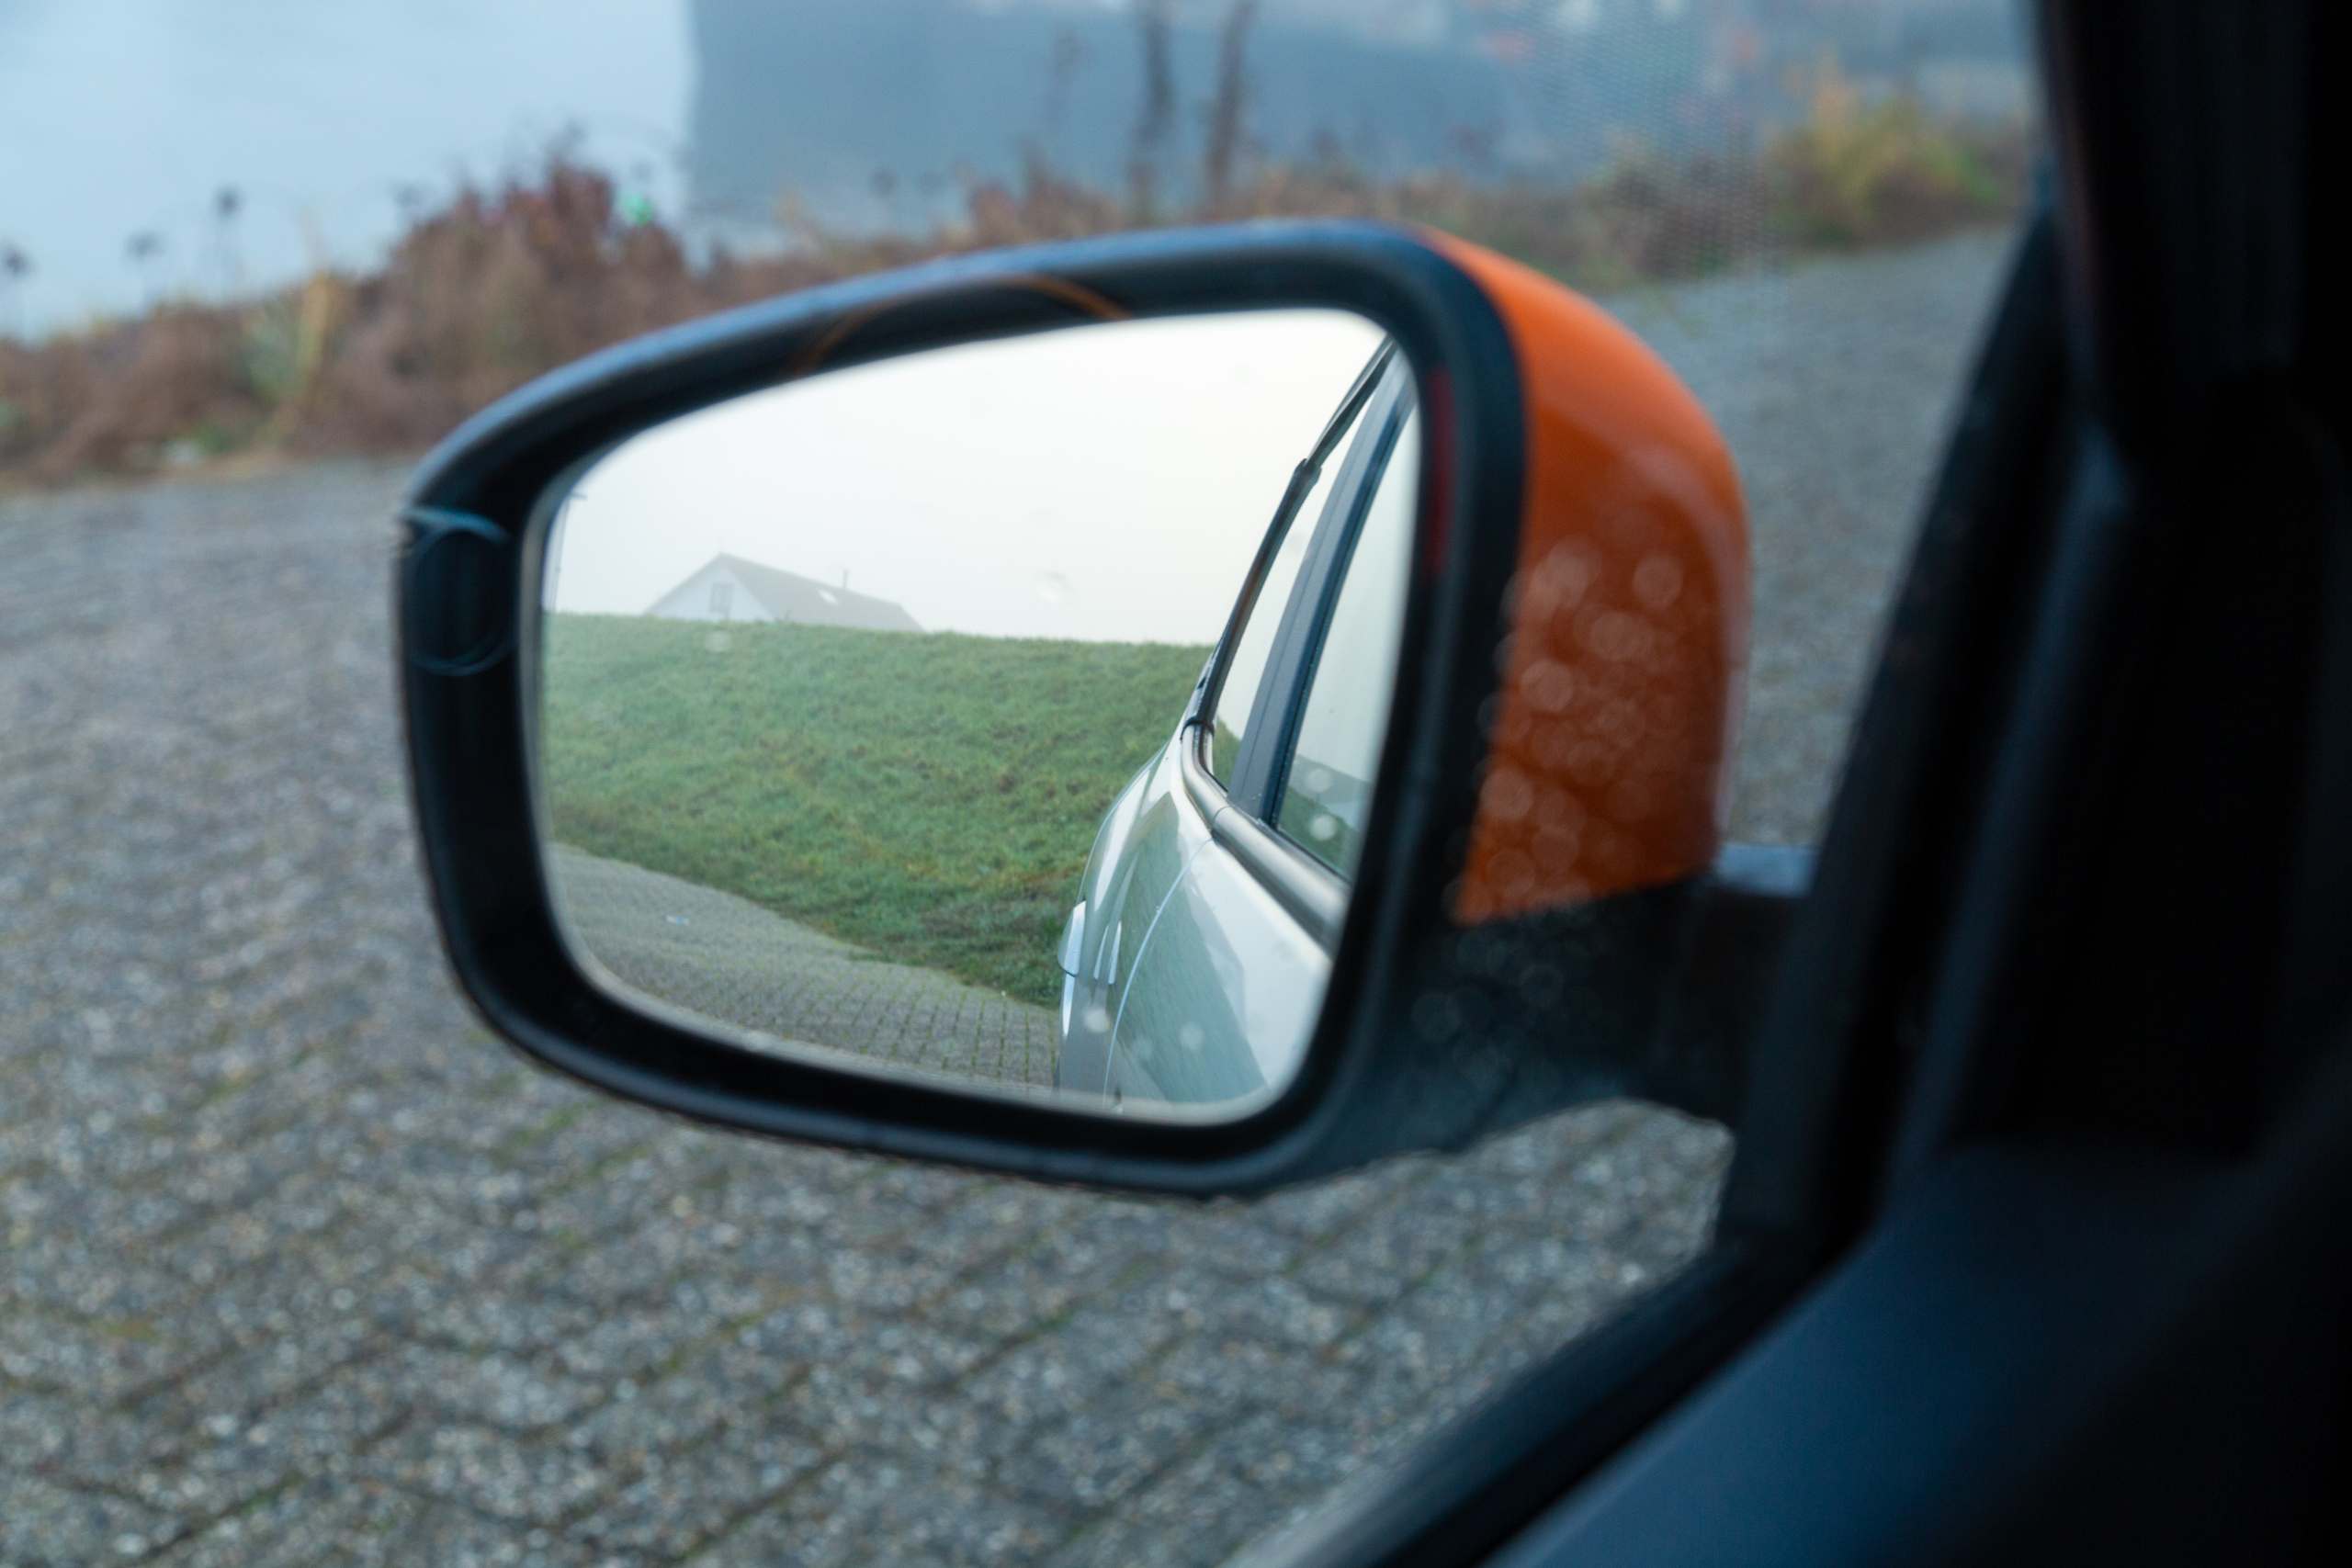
x,y
1187,712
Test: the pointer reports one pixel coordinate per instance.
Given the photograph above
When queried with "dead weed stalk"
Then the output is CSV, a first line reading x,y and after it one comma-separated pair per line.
x,y
498,286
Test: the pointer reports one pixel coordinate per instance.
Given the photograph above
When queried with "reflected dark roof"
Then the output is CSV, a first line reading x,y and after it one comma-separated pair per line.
x,y
789,597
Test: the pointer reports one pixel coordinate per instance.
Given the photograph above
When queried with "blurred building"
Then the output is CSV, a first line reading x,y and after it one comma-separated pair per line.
x,y
873,114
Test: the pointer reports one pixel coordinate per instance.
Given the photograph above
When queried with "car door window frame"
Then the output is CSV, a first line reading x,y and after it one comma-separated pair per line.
x,y
1358,682
1256,786
1258,772
1302,481
1314,895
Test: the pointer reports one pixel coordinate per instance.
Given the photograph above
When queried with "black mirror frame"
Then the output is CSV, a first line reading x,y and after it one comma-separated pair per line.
x,y
475,529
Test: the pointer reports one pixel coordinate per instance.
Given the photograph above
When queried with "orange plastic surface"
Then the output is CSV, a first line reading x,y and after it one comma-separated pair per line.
x,y
1624,666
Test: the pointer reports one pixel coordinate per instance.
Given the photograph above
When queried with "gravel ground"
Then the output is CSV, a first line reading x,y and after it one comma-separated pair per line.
x,y
302,1267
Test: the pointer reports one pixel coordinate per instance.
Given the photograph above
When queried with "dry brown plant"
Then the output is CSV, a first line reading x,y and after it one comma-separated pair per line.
x,y
499,286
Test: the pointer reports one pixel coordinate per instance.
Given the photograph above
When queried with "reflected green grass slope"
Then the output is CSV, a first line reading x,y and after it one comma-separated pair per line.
x,y
929,797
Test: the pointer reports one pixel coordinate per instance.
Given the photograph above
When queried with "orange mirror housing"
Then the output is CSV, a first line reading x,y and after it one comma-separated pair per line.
x,y
1623,668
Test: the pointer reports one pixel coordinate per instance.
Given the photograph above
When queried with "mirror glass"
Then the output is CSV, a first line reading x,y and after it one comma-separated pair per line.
x,y
883,719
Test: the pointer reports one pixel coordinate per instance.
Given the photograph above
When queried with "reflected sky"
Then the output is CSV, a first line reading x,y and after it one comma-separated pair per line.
x,y
1106,483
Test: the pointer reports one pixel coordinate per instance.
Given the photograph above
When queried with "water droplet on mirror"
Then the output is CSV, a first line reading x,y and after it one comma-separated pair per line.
x,y
1435,1016
1053,588
1320,781
1555,850
1096,1020
1549,686
718,642
1190,1037
1657,582
1323,827
1507,793
1615,635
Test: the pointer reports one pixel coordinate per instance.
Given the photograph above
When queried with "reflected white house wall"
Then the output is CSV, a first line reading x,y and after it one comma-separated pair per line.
x,y
726,589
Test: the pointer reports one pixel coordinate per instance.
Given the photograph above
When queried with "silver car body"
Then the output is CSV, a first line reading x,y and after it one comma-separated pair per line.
x,y
1195,959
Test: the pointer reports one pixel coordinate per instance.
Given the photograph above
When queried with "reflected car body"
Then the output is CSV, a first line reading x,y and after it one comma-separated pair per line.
x,y
1195,959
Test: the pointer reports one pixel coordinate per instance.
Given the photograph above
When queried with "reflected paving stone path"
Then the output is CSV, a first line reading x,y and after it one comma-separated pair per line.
x,y
301,1265
727,958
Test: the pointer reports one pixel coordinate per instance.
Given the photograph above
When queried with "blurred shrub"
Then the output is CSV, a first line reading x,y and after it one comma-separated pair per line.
x,y
115,398
1886,173
499,286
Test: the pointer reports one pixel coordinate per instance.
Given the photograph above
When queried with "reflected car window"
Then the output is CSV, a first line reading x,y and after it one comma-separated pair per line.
x,y
1328,792
1247,669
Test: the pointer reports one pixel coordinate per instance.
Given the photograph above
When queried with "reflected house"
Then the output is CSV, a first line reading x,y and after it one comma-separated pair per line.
x,y
732,589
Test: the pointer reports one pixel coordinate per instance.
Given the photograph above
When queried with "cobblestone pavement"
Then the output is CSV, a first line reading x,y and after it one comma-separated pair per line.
x,y
729,959
302,1267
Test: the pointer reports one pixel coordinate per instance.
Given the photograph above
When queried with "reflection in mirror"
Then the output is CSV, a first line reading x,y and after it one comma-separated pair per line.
x,y
863,703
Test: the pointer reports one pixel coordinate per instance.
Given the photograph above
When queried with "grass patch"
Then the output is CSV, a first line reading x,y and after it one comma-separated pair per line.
x,y
929,797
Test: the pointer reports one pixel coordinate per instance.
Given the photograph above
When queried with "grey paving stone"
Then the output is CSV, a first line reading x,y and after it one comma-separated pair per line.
x,y
303,1525
878,1508
102,1360
1061,1372
61,1437
494,1474
452,1533
497,1390
86,1278
46,1525
1255,1473
691,1494
639,1424
1121,1438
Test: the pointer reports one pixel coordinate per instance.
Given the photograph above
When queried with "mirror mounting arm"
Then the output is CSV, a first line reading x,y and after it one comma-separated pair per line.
x,y
1652,995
